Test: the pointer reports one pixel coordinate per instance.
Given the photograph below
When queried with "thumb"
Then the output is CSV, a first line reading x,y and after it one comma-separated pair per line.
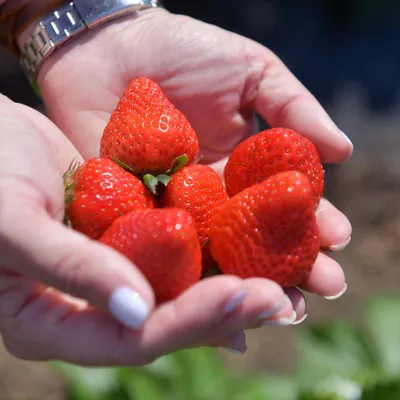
x,y
45,250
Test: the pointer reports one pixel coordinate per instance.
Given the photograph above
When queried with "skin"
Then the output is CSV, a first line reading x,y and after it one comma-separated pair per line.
x,y
218,79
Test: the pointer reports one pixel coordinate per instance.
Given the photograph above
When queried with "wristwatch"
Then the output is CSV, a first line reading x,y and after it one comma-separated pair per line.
x,y
38,41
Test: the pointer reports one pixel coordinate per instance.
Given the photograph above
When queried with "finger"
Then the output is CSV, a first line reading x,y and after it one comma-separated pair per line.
x,y
334,227
90,337
46,251
283,101
34,243
326,278
299,304
228,305
234,343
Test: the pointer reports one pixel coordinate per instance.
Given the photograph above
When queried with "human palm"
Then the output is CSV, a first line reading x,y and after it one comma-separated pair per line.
x,y
218,80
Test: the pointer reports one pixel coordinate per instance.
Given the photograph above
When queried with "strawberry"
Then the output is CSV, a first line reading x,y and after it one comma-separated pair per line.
x,y
198,189
146,132
163,244
268,230
98,192
271,151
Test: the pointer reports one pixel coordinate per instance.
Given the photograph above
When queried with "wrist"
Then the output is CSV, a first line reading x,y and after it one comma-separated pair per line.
x,y
60,22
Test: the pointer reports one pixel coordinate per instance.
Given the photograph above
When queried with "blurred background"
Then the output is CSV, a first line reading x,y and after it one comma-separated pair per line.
x,y
347,52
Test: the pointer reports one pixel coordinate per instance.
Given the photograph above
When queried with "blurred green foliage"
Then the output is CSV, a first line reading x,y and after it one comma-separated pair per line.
x,y
336,361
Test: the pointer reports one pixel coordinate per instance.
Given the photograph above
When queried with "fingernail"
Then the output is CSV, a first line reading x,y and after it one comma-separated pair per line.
x,y
347,138
268,313
235,301
128,307
281,321
340,246
237,344
299,321
340,294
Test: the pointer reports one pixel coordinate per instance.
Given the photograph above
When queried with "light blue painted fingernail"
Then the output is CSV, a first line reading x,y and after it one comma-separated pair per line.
x,y
128,307
235,301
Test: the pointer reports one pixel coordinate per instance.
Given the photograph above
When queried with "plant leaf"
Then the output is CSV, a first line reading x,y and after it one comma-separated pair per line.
x,y
330,350
88,383
164,179
382,319
178,163
270,388
151,183
384,390
201,374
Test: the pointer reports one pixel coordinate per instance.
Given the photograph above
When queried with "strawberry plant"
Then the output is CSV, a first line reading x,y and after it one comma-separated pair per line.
x,y
336,361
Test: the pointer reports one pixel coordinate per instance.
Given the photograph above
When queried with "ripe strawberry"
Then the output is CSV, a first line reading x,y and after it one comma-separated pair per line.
x,y
163,244
268,230
271,151
98,192
146,132
198,189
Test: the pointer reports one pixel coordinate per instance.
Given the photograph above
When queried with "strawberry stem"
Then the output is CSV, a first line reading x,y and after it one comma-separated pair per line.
x,y
126,167
178,163
69,185
152,182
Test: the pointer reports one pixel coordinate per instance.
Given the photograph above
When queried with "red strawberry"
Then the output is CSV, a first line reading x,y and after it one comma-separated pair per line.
x,y
271,151
98,192
268,230
163,244
198,189
146,132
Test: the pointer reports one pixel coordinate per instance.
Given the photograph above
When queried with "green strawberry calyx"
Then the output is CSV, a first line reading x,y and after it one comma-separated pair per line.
x,y
154,182
69,186
179,162
126,167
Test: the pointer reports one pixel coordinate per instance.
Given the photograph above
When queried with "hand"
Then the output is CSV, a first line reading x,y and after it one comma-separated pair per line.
x,y
218,79
81,85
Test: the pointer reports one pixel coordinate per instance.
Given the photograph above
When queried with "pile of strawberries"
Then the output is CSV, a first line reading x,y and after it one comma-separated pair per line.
x,y
148,197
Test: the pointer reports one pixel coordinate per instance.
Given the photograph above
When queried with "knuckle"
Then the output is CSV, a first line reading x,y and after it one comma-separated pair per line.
x,y
71,269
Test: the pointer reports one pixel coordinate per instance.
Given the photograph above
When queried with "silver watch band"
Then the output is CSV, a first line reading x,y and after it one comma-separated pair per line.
x,y
38,42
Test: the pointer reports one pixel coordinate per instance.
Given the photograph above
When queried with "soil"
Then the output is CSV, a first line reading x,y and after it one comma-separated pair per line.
x,y
367,190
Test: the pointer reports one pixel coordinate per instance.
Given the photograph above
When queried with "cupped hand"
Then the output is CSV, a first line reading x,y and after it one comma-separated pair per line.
x,y
218,79
63,296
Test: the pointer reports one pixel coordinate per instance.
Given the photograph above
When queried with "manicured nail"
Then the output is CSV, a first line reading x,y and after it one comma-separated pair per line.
x,y
281,321
237,343
340,246
269,312
340,294
299,321
234,351
235,301
128,307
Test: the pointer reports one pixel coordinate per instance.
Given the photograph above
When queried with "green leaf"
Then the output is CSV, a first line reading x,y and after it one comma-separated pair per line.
x,y
178,163
88,383
126,167
271,388
383,323
151,183
164,179
144,387
385,390
330,350
200,374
